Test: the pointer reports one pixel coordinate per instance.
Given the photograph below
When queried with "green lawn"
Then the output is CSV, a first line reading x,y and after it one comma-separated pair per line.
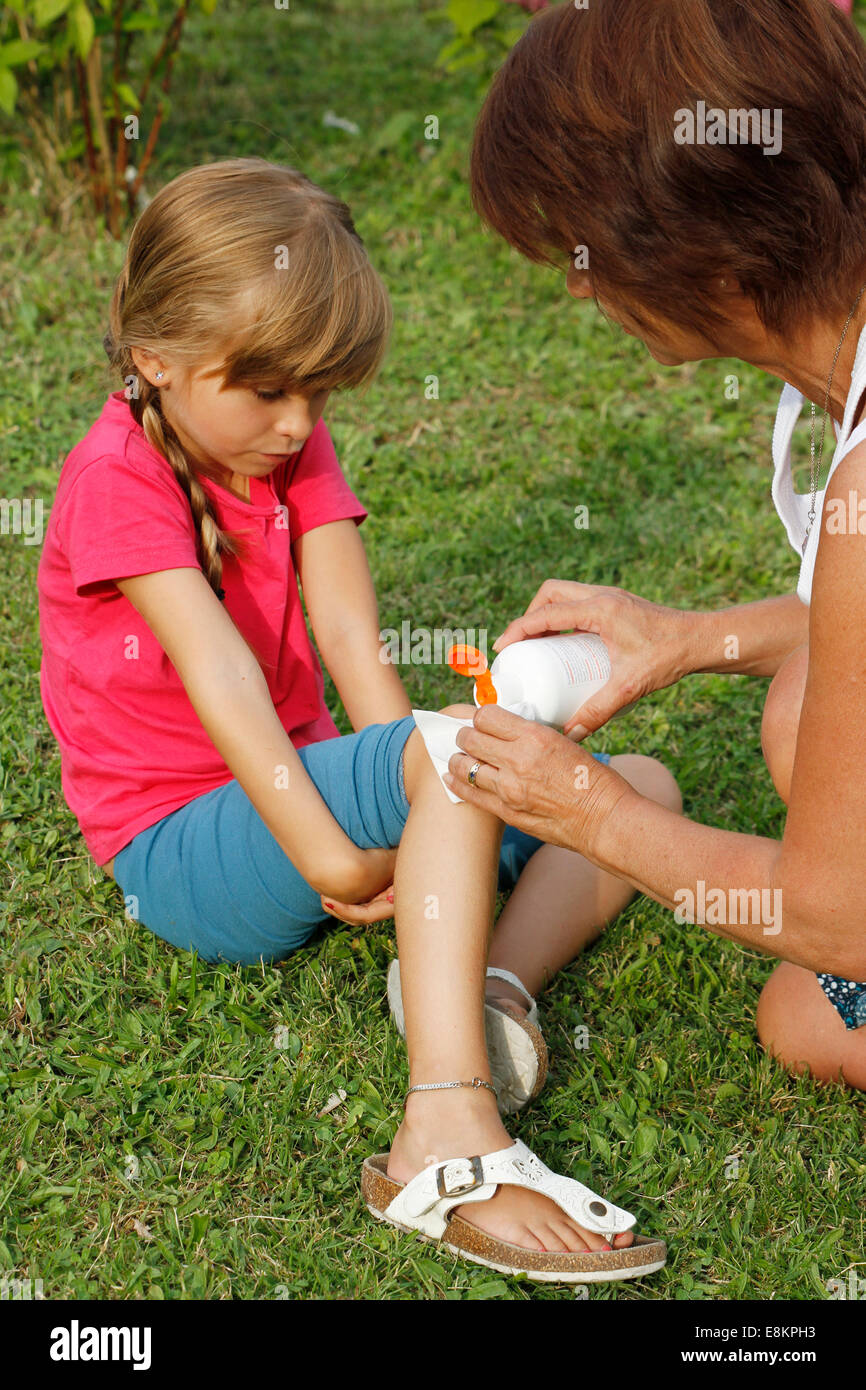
x,y
158,1130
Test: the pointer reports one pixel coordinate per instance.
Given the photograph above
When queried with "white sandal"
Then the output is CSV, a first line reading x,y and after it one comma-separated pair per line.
x,y
425,1205
515,1044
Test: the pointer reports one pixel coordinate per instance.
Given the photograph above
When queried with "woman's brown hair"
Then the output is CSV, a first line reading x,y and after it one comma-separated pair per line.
x,y
575,147
251,260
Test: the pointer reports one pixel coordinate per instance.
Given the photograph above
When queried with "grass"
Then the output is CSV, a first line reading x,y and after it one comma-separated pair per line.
x,y
158,1117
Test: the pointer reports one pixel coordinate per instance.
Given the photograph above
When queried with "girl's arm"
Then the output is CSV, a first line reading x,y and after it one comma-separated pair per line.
x,y
341,603
227,689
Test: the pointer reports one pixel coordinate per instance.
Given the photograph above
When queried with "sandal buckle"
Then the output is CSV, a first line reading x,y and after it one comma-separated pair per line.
x,y
446,1189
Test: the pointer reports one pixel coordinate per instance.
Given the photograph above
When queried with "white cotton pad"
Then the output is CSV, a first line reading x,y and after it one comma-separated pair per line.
x,y
439,732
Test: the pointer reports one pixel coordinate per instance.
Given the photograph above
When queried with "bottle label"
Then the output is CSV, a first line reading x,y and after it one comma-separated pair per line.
x,y
583,656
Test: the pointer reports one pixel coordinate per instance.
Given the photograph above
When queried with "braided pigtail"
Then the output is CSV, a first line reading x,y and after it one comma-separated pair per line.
x,y
212,539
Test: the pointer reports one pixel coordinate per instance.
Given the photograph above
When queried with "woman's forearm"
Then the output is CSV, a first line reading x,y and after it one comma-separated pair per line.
x,y
750,639
726,881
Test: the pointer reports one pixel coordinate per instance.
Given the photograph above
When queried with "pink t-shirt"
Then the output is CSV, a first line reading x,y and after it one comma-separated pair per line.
x,y
132,746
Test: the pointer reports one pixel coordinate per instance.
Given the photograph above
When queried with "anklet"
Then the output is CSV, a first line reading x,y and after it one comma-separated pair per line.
x,y
448,1085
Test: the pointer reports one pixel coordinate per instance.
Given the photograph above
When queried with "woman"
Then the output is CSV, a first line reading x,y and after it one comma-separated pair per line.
x,y
688,161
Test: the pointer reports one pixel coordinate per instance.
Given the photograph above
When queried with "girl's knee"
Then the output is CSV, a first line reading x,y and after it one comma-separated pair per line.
x,y
650,777
417,763
418,769
800,1028
459,711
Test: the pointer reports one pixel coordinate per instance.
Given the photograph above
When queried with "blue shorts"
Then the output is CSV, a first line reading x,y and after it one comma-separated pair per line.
x,y
210,876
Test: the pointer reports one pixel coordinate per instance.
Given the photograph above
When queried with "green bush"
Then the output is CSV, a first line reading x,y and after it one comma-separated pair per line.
x,y
72,104
483,30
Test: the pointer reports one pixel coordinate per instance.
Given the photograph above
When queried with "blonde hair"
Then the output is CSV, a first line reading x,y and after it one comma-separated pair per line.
x,y
252,260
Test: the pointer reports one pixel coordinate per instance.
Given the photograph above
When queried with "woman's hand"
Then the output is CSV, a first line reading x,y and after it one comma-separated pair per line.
x,y
649,645
534,778
378,909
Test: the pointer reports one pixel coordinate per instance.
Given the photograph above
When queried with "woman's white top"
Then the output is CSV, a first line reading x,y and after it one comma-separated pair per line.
x,y
793,507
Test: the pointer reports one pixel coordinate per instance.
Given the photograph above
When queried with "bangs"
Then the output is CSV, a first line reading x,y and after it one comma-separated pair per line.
x,y
323,326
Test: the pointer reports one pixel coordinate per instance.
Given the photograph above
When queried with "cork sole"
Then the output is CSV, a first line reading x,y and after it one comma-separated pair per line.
x,y
645,1256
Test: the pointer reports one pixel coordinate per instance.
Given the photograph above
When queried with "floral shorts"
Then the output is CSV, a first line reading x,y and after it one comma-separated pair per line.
x,y
848,998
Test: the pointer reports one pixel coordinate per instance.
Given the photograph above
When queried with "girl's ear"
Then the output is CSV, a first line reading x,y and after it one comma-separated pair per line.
x,y
148,363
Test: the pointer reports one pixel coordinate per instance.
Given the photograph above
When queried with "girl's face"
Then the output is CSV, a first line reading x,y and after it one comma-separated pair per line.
x,y
235,430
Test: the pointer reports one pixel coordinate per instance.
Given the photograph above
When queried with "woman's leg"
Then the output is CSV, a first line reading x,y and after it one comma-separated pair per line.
x,y
562,901
445,894
796,1021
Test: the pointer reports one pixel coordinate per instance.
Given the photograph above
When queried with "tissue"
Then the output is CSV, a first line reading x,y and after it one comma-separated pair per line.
x,y
439,732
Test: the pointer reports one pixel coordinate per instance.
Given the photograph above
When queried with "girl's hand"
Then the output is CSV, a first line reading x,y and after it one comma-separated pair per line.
x,y
533,778
649,645
378,909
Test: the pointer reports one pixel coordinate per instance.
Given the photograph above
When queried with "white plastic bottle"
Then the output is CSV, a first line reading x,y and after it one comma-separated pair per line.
x,y
552,675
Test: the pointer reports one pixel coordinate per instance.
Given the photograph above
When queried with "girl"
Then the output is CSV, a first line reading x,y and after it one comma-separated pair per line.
x,y
205,771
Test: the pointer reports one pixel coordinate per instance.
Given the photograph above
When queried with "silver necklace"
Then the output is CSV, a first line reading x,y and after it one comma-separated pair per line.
x,y
815,471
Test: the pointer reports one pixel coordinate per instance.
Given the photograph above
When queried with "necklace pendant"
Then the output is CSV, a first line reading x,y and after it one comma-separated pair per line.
x,y
808,533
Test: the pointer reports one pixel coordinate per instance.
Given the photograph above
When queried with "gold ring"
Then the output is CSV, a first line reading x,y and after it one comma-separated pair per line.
x,y
473,773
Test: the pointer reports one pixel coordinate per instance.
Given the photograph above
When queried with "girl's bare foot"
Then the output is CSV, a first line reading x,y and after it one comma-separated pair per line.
x,y
441,1125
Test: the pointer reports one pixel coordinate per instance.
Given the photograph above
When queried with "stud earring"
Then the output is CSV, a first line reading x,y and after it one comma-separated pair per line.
x,y
160,375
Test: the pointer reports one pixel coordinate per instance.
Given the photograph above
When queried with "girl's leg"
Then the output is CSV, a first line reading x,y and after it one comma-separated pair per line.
x,y
445,892
562,901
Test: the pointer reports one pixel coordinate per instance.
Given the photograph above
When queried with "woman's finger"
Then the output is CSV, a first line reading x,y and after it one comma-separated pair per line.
x,y
575,732
477,796
488,750
551,618
493,734
500,723
460,765
562,591
597,710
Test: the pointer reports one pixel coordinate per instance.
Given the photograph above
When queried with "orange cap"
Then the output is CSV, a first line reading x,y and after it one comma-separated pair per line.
x,y
469,661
